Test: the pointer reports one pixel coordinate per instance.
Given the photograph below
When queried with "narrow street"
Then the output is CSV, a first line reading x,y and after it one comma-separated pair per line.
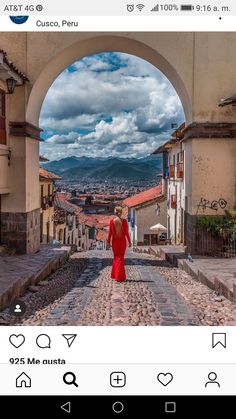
x,y
155,293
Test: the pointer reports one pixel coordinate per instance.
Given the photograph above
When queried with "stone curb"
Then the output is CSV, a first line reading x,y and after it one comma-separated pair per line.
x,y
18,287
180,261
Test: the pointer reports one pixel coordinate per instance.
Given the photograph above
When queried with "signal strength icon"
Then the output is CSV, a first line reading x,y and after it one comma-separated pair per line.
x,y
155,8
140,7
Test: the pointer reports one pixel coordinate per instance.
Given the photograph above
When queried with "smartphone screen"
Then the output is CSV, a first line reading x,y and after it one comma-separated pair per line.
x,y
117,208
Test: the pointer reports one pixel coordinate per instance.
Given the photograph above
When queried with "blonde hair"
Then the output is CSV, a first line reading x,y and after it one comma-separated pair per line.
x,y
118,210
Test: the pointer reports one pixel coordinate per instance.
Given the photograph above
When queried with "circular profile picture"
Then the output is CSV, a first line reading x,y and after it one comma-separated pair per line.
x,y
18,20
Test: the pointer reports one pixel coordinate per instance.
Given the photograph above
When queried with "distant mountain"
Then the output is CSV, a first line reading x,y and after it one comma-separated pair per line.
x,y
78,168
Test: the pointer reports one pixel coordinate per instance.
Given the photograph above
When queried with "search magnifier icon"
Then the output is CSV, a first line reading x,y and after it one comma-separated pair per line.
x,y
70,378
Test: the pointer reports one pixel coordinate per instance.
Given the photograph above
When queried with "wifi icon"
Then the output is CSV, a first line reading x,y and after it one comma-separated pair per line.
x,y
140,7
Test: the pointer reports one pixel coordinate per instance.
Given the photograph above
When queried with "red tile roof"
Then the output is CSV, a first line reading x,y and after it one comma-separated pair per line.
x,y
143,197
93,220
64,196
102,235
45,174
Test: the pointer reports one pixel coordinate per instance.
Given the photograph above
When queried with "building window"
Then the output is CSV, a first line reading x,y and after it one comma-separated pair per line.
x,y
173,201
49,189
180,166
158,210
3,134
180,170
172,171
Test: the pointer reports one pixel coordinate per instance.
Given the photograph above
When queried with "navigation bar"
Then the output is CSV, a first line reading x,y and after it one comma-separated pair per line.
x,y
118,379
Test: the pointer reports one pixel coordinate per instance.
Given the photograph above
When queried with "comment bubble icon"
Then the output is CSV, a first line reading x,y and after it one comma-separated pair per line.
x,y
43,341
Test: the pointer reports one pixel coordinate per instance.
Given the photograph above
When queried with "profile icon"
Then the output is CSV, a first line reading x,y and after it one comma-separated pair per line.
x,y
212,377
19,20
17,308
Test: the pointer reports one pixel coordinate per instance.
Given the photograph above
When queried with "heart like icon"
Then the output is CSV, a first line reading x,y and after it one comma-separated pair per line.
x,y
165,378
17,340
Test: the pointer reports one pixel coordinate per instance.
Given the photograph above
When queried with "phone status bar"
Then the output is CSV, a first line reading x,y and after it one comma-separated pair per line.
x,y
123,7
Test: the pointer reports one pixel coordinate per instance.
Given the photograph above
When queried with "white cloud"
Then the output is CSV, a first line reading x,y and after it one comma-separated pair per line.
x,y
120,137
63,139
120,99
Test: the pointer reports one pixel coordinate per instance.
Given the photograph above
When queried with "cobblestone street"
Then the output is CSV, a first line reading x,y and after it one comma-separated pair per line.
x,y
155,293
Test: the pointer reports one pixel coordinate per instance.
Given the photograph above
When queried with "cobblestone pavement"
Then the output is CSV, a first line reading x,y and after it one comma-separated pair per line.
x,y
154,294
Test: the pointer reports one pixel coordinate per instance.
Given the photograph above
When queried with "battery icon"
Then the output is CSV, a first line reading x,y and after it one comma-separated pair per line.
x,y
186,7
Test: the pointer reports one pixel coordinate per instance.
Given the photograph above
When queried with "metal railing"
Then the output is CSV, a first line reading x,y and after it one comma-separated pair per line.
x,y
217,244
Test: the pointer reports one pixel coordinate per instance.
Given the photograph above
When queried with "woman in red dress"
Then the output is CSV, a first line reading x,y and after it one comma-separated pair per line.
x,y
118,232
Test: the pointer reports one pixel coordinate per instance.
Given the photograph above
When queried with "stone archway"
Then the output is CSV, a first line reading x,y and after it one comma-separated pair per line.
x,y
99,44
200,66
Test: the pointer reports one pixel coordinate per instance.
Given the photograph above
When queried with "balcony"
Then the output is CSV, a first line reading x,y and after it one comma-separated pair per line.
x,y
172,171
51,200
180,170
44,202
173,201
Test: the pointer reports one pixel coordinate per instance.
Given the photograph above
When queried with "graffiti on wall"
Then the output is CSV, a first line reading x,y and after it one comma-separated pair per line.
x,y
213,205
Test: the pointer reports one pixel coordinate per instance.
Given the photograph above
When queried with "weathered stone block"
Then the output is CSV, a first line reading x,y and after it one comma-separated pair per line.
x,y
21,231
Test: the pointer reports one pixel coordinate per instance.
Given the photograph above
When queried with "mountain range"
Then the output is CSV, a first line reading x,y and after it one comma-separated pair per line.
x,y
78,168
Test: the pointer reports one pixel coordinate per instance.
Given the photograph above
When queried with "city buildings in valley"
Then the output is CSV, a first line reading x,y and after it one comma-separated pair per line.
x,y
145,210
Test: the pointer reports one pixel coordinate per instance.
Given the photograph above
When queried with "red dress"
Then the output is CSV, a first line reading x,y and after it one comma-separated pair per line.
x,y
118,247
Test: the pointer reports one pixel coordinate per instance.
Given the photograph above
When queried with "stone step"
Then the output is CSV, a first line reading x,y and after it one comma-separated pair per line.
x,y
18,273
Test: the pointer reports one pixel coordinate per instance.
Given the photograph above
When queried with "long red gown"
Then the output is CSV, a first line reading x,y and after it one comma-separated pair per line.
x,y
119,248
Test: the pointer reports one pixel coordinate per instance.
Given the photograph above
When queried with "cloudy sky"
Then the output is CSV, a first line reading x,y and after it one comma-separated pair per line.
x,y
109,104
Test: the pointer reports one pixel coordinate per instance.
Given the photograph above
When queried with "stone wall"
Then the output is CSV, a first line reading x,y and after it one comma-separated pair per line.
x,y
21,231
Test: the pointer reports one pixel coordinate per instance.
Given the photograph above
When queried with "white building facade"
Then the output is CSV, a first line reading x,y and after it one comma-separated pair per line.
x,y
146,209
174,157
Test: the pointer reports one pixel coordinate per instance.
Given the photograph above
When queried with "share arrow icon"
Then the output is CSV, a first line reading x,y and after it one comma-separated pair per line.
x,y
70,339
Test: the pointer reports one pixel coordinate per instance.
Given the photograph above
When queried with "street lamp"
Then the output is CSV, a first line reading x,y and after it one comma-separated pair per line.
x,y
11,84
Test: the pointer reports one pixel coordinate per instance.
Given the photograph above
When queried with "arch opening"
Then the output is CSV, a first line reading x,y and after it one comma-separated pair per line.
x,y
96,45
113,103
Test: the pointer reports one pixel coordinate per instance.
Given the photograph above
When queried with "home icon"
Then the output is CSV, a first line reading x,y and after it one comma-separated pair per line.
x,y
23,380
